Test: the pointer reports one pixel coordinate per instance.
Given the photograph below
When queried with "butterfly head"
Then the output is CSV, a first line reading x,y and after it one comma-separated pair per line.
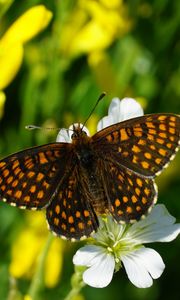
x,y
80,134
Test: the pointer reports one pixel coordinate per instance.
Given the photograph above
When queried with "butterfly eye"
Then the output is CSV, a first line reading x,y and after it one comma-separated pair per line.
x,y
74,135
84,133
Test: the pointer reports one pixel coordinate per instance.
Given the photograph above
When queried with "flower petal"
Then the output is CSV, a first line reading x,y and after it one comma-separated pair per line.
x,y
63,136
143,265
101,273
130,108
87,255
2,102
119,111
53,263
10,62
104,122
101,265
28,25
158,226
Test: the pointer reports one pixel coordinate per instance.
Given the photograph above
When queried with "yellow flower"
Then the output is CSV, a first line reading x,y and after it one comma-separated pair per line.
x,y
10,62
53,263
22,30
27,297
2,101
112,3
93,26
28,247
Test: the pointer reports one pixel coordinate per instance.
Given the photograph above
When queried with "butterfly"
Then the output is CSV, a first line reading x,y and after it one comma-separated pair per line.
x,y
111,172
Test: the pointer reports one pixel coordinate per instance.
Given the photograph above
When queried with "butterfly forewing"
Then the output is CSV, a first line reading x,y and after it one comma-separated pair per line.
x,y
144,145
29,178
70,214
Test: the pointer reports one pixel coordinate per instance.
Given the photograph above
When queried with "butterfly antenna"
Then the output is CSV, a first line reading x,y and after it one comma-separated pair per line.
x,y
32,127
96,104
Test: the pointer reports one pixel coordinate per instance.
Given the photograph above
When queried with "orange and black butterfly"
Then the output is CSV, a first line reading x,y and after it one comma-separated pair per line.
x,y
111,172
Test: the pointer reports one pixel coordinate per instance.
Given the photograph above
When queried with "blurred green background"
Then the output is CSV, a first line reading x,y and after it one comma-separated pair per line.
x,y
126,48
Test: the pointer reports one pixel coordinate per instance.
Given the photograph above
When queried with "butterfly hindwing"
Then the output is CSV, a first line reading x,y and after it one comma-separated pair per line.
x,y
70,214
130,196
145,144
29,178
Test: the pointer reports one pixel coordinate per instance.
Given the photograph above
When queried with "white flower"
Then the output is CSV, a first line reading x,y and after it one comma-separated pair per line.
x,y
116,244
123,244
119,110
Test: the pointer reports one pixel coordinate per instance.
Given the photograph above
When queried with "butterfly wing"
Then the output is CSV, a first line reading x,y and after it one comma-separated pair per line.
x,y
145,144
129,196
71,214
29,178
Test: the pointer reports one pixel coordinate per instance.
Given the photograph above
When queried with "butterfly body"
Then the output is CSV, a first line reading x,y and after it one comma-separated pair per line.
x,y
83,151
87,162
111,172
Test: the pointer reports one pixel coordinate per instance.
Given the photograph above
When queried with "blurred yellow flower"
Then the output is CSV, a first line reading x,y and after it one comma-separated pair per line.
x,y
27,297
22,30
28,247
93,26
2,101
53,264
112,3
10,62
33,21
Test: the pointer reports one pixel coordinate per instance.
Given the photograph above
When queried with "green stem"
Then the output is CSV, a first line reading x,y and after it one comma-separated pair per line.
x,y
73,293
38,279
77,283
